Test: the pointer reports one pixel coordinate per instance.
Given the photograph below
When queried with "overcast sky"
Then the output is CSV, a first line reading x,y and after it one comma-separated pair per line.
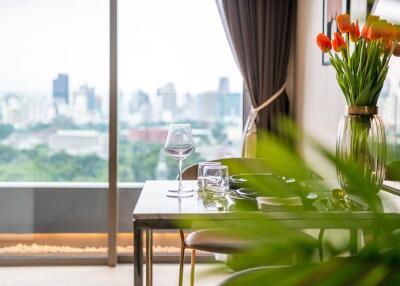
x,y
182,41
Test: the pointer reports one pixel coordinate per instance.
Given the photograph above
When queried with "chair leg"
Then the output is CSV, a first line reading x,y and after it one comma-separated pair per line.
x,y
181,261
192,265
321,245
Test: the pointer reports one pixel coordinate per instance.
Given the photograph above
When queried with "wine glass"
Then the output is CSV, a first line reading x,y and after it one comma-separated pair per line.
x,y
179,145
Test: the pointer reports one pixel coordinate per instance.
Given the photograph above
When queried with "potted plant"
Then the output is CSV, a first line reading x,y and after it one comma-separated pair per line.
x,y
361,61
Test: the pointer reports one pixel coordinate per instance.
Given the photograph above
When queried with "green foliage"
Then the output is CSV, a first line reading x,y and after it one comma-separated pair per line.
x,y
40,164
5,130
219,133
137,162
376,264
362,74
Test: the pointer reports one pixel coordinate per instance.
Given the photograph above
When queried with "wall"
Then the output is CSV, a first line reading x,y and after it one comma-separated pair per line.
x,y
54,208
319,103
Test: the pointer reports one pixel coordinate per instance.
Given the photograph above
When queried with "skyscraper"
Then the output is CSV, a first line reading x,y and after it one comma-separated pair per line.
x,y
168,95
61,88
90,94
223,86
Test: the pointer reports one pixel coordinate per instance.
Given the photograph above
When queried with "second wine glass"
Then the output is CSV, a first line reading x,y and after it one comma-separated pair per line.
x,y
179,145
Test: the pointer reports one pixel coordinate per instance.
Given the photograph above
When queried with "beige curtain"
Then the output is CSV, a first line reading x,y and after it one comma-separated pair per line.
x,y
259,32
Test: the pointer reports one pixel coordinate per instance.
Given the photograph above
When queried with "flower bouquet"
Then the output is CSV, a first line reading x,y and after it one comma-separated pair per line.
x,y
361,61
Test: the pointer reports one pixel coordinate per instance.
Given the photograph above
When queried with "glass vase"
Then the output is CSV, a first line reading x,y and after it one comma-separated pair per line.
x,y
361,141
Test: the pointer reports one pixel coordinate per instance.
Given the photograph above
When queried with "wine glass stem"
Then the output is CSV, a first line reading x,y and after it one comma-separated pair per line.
x,y
180,187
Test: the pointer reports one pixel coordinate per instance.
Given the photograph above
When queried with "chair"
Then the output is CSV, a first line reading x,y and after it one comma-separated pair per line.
x,y
393,171
217,240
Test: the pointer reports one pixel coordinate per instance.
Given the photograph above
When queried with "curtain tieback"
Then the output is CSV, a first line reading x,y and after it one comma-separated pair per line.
x,y
250,128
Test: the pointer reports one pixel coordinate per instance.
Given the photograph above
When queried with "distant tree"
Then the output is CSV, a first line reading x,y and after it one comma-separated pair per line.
x,y
7,154
6,130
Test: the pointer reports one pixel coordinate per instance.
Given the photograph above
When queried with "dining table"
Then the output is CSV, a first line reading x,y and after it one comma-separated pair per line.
x,y
154,210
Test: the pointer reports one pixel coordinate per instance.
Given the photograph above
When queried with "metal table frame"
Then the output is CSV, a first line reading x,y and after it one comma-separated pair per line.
x,y
151,214
351,221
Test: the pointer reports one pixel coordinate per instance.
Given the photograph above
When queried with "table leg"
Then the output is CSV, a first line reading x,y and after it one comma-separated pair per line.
x,y
149,257
353,241
137,256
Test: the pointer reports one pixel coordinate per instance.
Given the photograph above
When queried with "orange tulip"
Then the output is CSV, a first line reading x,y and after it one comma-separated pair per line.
x,y
323,42
396,51
396,33
354,32
374,31
365,31
343,22
338,43
371,19
386,30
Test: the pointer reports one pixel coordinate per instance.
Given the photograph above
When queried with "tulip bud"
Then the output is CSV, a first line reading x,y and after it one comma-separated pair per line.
x,y
371,19
343,22
374,31
338,43
386,30
323,42
366,33
354,32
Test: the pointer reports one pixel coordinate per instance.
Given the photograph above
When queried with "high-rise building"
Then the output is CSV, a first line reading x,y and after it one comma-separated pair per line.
x,y
230,102
138,99
223,86
168,95
61,88
90,94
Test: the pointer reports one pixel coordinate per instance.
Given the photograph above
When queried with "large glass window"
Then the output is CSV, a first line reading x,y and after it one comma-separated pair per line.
x,y
175,65
53,126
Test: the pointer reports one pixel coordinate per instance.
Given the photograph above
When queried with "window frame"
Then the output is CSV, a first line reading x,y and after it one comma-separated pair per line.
x,y
112,257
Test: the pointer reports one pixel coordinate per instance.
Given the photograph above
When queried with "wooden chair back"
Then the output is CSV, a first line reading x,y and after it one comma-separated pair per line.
x,y
393,171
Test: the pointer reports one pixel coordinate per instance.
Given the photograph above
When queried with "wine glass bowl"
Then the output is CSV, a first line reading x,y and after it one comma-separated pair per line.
x,y
179,145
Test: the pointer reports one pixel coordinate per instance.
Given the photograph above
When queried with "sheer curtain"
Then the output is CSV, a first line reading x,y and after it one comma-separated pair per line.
x,y
259,33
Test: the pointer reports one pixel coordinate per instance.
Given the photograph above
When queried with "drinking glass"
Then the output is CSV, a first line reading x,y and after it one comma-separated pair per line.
x,y
179,145
200,170
216,179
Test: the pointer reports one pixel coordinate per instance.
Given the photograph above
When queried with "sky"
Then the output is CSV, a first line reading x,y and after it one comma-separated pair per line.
x,y
180,41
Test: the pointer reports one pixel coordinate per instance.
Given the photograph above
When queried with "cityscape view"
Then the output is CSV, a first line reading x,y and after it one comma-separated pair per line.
x,y
54,98
63,136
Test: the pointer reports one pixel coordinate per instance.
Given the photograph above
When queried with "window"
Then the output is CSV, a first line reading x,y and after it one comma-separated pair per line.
x,y
175,65
53,126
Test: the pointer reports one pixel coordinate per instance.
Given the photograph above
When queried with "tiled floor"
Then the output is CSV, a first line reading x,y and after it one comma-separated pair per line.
x,y
122,275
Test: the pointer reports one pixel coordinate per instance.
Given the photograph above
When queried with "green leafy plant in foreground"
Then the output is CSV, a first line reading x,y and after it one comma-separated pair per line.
x,y
376,264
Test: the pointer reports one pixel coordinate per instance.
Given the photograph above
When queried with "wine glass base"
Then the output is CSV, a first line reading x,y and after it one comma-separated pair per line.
x,y
183,191
179,195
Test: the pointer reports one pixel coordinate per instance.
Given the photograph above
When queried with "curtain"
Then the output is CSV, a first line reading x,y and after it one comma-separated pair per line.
x,y
259,33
